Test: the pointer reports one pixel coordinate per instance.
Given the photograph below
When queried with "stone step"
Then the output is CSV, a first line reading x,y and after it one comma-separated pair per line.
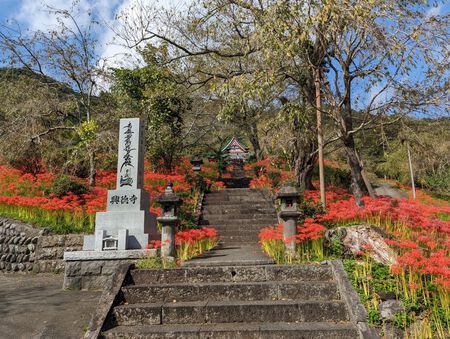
x,y
253,217
236,200
230,291
238,204
255,222
202,312
240,192
293,273
284,330
240,240
232,212
250,236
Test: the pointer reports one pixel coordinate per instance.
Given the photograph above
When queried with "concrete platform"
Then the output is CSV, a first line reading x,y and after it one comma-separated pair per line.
x,y
226,255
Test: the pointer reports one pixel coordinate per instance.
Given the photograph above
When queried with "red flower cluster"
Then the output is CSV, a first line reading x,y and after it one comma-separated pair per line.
x,y
309,230
194,235
419,236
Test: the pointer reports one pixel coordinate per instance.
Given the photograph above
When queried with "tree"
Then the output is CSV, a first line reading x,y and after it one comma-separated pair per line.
x,y
220,50
153,93
366,51
67,54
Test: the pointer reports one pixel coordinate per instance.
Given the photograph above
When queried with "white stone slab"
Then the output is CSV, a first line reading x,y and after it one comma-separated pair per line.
x,y
108,255
128,200
130,162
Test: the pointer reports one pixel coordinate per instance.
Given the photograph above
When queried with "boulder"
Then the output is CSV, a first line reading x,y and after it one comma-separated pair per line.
x,y
364,238
389,308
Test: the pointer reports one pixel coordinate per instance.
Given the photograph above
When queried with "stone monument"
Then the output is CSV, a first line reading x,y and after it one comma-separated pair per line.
x,y
127,226
127,222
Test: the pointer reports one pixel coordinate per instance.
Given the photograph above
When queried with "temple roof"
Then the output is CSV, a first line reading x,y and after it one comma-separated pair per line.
x,y
235,144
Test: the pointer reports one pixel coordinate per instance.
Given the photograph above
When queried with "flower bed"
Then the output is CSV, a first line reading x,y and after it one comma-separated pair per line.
x,y
188,244
26,197
418,231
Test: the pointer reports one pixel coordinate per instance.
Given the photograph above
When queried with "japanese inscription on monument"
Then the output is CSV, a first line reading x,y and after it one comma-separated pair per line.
x,y
130,162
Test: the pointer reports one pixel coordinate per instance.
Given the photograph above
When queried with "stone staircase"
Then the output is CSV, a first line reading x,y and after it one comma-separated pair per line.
x,y
261,301
238,214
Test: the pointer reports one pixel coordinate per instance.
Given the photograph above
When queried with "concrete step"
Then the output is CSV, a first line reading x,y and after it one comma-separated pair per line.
x,y
240,192
243,222
251,236
252,217
202,312
240,240
292,273
220,210
239,204
237,226
235,200
231,291
284,330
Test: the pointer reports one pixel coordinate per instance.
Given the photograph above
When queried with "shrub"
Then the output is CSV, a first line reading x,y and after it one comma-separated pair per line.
x,y
64,184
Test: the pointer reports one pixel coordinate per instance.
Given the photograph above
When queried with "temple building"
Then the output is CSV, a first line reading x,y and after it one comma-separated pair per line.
x,y
236,150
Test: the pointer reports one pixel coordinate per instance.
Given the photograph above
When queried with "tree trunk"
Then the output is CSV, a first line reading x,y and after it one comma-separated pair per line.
x,y
254,140
303,169
92,169
358,186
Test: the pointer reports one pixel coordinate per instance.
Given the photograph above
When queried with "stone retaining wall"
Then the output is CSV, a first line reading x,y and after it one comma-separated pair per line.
x,y
92,270
24,248
17,246
50,251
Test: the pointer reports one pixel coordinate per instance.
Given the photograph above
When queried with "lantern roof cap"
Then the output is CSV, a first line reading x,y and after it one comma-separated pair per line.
x,y
168,196
288,191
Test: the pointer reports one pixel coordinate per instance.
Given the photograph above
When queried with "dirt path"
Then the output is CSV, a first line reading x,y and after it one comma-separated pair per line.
x,y
35,306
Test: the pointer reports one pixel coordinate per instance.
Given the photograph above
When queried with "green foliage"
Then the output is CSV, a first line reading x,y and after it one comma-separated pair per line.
x,y
64,184
153,93
334,175
437,182
373,316
155,263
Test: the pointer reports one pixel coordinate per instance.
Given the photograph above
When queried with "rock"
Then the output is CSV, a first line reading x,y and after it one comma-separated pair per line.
x,y
21,267
388,190
389,308
27,241
364,238
31,247
44,231
387,296
2,265
34,240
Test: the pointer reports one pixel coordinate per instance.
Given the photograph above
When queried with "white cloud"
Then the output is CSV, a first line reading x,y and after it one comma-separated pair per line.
x,y
434,11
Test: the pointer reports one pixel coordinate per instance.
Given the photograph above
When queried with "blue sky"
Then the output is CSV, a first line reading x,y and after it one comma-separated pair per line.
x,y
32,14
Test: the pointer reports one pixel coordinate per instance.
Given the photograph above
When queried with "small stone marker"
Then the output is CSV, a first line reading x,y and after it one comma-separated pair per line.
x,y
127,223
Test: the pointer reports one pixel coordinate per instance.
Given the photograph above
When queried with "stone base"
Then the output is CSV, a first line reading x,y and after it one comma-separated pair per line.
x,y
141,226
92,270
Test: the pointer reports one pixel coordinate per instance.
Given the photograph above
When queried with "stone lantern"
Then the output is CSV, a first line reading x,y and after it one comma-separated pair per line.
x,y
169,202
196,163
289,197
